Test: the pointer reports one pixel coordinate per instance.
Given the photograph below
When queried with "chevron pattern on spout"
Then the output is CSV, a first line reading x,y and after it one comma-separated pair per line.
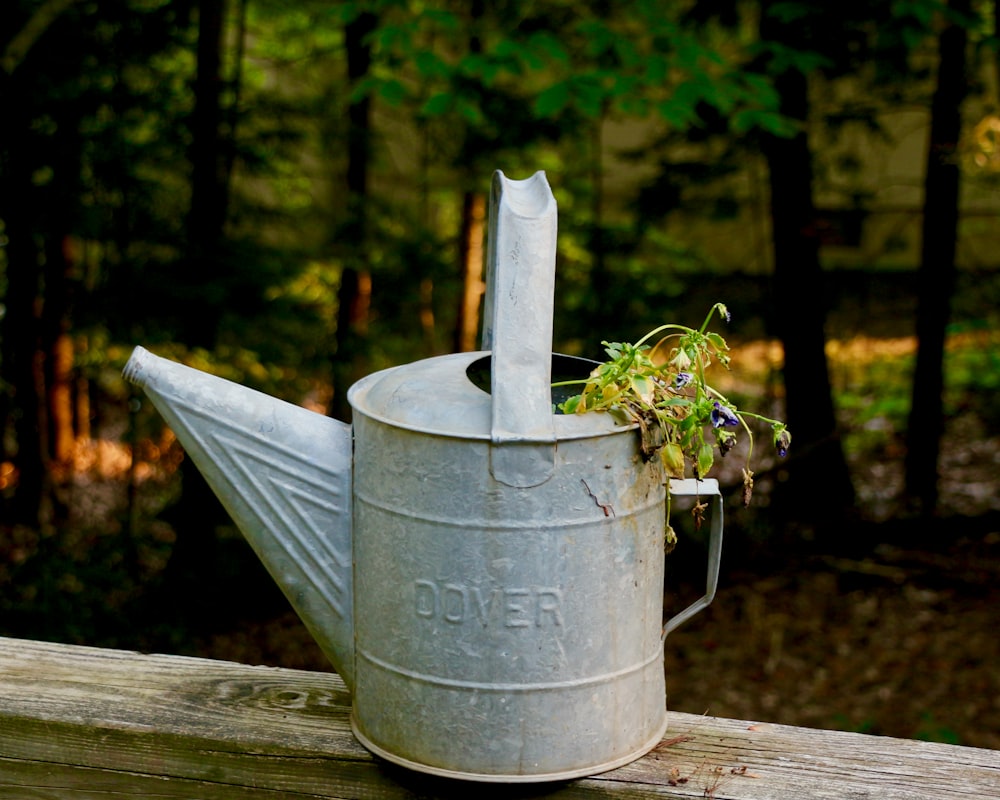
x,y
291,508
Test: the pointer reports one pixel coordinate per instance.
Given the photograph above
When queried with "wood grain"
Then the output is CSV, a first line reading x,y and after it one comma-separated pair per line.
x,y
87,723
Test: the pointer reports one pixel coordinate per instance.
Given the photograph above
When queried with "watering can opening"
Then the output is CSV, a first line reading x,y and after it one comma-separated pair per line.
x,y
564,368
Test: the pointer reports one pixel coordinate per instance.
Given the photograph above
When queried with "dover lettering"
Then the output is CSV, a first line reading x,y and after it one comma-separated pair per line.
x,y
512,607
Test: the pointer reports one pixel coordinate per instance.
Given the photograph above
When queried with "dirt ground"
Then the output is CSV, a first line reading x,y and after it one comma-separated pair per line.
x,y
905,645
901,642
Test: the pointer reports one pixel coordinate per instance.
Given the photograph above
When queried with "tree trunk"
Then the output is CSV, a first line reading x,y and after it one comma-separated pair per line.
x,y
81,407
232,114
57,342
354,295
191,587
601,283
21,407
59,385
207,213
471,250
56,307
471,254
925,426
818,492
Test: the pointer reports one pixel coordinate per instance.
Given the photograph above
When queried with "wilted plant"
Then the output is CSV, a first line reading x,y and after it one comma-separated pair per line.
x,y
663,389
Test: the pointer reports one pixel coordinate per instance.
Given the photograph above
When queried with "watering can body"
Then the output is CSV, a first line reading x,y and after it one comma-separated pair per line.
x,y
486,575
517,628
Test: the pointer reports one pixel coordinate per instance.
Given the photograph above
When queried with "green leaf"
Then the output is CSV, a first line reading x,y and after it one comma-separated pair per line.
x,y
786,12
717,341
469,110
768,121
921,10
589,95
445,19
549,45
672,457
391,37
624,85
552,100
657,69
677,113
476,65
643,387
674,401
706,457
364,88
431,65
570,405
438,104
619,415
392,92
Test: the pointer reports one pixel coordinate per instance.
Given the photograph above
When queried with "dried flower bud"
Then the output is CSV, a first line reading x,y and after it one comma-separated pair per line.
x,y
726,441
747,485
782,440
681,360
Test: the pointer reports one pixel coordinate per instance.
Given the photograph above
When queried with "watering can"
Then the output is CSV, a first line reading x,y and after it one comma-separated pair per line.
x,y
485,574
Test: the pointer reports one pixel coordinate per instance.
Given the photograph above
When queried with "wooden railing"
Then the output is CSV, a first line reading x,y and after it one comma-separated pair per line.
x,y
79,722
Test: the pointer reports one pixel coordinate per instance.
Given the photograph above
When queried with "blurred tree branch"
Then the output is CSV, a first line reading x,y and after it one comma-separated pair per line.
x,y
39,22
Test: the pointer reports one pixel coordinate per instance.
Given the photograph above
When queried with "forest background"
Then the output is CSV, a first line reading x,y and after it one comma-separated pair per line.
x,y
293,195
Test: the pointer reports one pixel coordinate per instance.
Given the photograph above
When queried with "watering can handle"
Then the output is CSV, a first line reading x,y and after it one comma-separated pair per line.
x,y
517,327
700,488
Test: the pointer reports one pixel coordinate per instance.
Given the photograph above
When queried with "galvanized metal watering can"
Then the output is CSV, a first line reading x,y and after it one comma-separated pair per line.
x,y
486,575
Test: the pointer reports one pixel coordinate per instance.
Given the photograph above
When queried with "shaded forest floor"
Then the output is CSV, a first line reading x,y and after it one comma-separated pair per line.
x,y
904,645
901,642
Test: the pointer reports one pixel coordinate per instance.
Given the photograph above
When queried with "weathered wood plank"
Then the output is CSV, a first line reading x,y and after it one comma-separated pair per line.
x,y
92,724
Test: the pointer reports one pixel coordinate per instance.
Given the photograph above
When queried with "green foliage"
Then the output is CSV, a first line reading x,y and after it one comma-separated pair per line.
x,y
102,112
931,730
637,62
972,377
647,62
663,390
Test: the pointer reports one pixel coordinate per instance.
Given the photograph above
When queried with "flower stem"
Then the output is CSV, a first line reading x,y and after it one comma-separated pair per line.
x,y
667,327
708,318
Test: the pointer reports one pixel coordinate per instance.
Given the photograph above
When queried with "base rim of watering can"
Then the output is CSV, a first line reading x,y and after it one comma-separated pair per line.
x,y
564,775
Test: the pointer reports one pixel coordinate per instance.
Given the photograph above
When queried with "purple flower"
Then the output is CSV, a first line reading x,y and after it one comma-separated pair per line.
x,y
721,415
682,379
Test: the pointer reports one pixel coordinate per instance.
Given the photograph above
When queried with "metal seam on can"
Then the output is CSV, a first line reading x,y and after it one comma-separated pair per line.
x,y
606,677
494,524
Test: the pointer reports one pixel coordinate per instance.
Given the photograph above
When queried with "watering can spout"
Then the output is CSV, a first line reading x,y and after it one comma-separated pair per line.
x,y
284,475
